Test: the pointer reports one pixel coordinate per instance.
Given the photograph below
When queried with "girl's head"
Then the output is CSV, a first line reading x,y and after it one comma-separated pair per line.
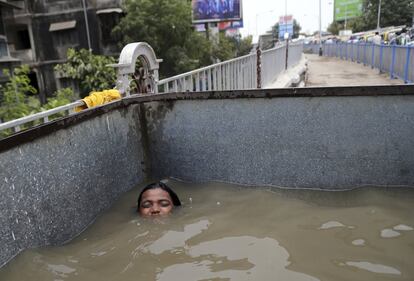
x,y
157,199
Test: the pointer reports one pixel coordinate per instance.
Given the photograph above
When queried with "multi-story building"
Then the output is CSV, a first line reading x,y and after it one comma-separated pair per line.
x,y
39,33
6,60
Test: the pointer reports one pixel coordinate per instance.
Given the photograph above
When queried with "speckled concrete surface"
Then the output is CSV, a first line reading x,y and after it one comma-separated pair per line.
x,y
315,142
54,187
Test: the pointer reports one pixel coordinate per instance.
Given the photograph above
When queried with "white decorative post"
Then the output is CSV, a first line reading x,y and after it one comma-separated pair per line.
x,y
127,66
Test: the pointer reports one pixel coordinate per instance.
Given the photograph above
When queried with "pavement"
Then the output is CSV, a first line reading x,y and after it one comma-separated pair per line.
x,y
327,71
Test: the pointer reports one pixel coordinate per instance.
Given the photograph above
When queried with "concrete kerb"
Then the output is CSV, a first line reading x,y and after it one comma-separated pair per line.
x,y
290,77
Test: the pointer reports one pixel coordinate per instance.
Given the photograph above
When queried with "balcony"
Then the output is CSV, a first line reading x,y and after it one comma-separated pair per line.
x,y
25,56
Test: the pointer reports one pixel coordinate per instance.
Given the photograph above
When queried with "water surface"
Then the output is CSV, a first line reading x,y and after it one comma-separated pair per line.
x,y
226,232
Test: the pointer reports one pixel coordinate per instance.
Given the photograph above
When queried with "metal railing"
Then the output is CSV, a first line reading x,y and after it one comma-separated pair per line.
x,y
397,61
235,74
41,117
274,61
239,73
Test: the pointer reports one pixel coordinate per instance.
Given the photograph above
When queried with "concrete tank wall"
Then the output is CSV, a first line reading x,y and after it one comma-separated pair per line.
x,y
54,186
55,179
322,142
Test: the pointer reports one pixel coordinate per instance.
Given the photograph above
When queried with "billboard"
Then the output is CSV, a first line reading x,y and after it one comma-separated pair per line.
x,y
285,26
286,19
216,10
347,9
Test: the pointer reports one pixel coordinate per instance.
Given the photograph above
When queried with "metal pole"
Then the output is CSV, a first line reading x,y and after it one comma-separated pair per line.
x,y
206,26
258,67
286,19
87,25
257,29
413,15
287,55
320,28
346,15
379,16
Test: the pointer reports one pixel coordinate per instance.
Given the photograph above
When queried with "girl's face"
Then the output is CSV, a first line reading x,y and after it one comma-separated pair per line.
x,y
155,202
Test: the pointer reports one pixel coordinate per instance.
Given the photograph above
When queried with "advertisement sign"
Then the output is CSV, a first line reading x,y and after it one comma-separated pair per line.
x,y
237,24
347,9
233,32
285,26
216,10
230,25
200,27
286,19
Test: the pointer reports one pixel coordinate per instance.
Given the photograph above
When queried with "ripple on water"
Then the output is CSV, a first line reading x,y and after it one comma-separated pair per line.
x,y
60,270
333,224
389,233
403,227
358,242
372,267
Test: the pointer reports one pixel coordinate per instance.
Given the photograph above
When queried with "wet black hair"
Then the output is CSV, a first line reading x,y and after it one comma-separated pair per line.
x,y
175,200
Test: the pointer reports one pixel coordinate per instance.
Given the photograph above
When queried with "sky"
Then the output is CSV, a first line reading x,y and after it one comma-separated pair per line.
x,y
260,15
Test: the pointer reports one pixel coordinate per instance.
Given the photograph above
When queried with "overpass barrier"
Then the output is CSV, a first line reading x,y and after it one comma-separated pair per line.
x,y
241,73
251,71
397,61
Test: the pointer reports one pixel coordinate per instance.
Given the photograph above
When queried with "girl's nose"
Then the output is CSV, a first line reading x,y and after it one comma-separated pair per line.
x,y
155,209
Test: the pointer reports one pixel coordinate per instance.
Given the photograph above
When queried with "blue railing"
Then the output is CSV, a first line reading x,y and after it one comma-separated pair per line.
x,y
397,61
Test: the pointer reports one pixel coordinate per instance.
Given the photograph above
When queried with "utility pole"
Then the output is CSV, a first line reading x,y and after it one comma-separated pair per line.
x,y
412,7
87,25
379,16
346,15
286,36
285,19
320,28
206,26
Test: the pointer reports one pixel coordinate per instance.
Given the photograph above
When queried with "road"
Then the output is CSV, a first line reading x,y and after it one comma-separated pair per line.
x,y
327,71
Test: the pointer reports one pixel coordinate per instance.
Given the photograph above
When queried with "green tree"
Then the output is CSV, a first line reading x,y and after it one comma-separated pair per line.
x,y
91,71
225,49
194,53
17,93
393,13
166,25
243,45
20,99
61,97
335,27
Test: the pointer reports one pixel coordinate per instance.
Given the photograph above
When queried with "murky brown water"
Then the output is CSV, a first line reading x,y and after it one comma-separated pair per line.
x,y
224,232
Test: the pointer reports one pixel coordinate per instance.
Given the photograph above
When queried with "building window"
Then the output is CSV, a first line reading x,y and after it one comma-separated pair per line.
x,y
33,80
23,40
64,36
1,23
4,51
108,19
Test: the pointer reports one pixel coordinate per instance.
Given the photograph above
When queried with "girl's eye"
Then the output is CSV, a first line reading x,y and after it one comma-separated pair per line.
x,y
146,204
165,203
